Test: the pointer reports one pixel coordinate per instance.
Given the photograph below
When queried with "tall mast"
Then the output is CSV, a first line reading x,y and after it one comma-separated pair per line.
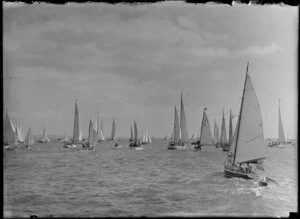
x,y
240,116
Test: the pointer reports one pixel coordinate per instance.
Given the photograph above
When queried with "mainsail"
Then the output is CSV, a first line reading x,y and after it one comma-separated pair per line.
x,y
76,124
29,139
176,130
113,130
223,131
249,135
92,139
80,135
281,137
230,129
9,134
205,136
183,129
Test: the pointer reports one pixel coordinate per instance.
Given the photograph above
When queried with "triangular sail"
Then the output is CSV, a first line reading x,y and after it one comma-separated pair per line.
x,y
135,132
113,130
205,137
230,128
92,139
45,136
101,135
29,139
232,146
281,137
76,124
215,133
223,131
250,136
9,134
19,134
131,133
183,129
176,130
146,136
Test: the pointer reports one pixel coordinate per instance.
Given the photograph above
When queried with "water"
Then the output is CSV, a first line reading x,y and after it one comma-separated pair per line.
x,y
49,180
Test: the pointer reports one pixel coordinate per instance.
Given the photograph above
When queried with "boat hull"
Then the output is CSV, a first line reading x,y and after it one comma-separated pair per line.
x,y
177,146
231,172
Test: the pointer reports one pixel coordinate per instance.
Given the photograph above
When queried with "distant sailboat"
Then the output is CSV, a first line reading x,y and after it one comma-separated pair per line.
x,y
29,138
247,146
223,141
19,134
65,139
226,146
76,125
113,131
135,143
146,138
149,138
281,137
9,136
216,135
180,134
92,139
205,134
131,134
45,138
80,135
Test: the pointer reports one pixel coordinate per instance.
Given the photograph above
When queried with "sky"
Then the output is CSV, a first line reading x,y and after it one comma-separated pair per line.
x,y
131,62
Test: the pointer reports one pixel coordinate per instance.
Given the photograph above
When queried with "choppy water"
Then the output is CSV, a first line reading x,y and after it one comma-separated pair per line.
x,y
51,180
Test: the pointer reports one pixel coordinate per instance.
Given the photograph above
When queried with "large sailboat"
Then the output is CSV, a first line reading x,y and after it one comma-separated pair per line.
x,y
45,138
247,150
180,138
9,136
205,133
135,142
29,138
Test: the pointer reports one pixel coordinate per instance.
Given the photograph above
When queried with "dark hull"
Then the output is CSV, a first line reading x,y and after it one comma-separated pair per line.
x,y
180,146
230,172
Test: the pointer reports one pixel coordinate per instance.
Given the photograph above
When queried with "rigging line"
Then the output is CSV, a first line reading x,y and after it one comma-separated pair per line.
x,y
252,139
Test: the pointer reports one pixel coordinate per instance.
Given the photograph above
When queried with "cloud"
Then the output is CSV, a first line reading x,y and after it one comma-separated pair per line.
x,y
258,50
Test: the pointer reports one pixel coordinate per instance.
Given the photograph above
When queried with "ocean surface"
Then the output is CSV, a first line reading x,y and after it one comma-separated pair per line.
x,y
49,180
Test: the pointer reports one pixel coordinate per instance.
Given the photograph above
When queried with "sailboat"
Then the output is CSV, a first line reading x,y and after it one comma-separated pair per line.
x,y
281,137
247,146
135,143
149,137
45,138
9,136
223,140
113,131
19,134
29,139
180,135
92,139
205,134
146,138
75,140
226,146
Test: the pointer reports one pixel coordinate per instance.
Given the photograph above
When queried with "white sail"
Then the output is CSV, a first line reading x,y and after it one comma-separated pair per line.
x,y
101,135
92,139
146,136
19,134
13,126
281,137
250,136
205,137
233,142
66,139
113,130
